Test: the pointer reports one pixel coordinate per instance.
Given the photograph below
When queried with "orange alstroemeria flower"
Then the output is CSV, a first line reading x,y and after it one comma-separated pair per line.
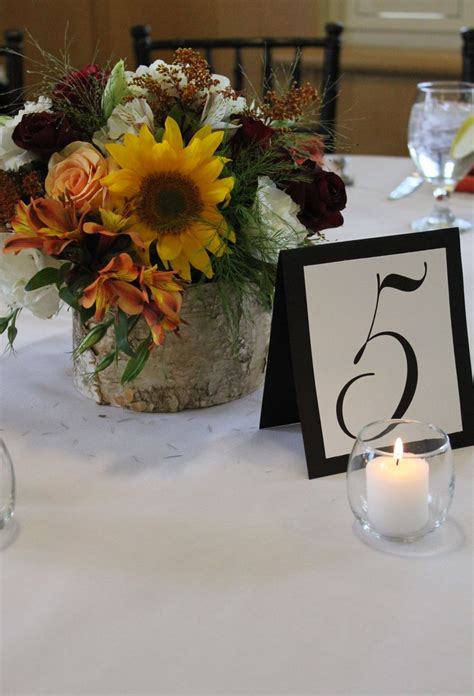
x,y
114,223
113,287
161,312
43,224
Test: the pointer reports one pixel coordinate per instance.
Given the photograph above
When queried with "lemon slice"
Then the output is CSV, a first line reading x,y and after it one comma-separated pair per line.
x,y
463,143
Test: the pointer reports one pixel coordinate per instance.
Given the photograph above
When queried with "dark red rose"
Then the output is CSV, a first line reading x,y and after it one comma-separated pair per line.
x,y
44,133
79,83
321,199
253,131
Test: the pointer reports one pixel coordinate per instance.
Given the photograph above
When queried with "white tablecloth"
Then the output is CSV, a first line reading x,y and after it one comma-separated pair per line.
x,y
189,553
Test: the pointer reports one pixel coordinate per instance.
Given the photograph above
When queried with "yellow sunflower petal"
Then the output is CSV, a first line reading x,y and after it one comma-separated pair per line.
x,y
216,245
169,246
135,153
210,144
210,239
173,134
182,267
209,172
121,154
217,191
191,158
124,182
144,231
197,255
165,158
201,133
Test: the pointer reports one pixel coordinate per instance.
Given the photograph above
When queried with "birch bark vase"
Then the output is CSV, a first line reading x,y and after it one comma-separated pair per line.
x,y
207,365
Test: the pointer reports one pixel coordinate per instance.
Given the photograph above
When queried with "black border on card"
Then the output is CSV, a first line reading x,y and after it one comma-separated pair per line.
x,y
290,392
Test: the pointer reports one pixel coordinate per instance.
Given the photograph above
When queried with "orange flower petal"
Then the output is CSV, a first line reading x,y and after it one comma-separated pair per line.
x,y
128,297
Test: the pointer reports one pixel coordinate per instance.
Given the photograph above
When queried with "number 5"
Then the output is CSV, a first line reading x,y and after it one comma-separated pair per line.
x,y
404,284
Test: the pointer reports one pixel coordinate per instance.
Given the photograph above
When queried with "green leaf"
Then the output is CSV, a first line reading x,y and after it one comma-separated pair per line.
x,y
177,112
12,334
86,314
4,119
62,273
122,329
47,276
69,298
115,89
94,336
104,362
159,133
4,321
135,365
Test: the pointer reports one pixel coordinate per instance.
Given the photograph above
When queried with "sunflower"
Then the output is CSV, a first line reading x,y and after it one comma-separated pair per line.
x,y
174,192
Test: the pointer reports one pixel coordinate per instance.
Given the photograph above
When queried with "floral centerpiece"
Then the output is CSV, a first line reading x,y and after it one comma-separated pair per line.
x,y
121,193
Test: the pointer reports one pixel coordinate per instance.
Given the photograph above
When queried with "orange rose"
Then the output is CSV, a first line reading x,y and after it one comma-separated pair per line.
x,y
75,174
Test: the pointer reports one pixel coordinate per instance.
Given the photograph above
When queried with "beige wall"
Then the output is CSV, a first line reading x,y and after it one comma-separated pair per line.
x,y
105,23
378,83
377,90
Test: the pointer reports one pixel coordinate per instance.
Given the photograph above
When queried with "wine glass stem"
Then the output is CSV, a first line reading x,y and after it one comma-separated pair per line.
x,y
441,210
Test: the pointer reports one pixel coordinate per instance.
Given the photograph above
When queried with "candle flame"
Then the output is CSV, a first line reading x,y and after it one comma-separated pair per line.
x,y
398,448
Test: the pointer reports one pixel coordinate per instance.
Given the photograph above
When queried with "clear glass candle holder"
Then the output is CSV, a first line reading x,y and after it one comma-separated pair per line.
x,y
7,486
400,478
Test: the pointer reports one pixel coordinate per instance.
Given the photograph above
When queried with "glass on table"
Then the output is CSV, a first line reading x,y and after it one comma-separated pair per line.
x,y
441,144
400,479
7,486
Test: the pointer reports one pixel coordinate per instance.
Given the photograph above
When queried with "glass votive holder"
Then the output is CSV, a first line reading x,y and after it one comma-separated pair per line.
x,y
400,478
7,486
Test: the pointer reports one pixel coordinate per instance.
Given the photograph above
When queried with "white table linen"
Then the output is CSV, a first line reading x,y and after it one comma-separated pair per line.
x,y
189,553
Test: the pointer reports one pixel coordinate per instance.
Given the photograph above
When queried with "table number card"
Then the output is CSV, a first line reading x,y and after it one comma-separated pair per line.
x,y
364,330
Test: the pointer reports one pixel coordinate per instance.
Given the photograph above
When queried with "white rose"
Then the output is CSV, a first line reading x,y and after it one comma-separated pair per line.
x,y
125,118
15,272
277,213
12,156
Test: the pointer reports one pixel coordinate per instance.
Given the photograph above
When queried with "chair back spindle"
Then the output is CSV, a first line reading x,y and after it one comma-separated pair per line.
x,y
467,36
238,70
11,91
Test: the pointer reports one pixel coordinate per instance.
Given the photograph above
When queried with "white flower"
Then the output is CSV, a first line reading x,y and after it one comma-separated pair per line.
x,y
159,76
218,109
15,272
129,118
125,118
12,156
277,213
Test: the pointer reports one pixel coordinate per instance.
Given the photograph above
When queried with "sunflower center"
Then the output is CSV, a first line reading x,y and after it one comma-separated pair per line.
x,y
168,202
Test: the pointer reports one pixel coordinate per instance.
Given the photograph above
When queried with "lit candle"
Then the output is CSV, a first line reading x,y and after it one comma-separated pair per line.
x,y
397,493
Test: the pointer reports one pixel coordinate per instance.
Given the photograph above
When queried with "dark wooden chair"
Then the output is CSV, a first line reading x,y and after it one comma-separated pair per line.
x,y
11,89
144,46
467,36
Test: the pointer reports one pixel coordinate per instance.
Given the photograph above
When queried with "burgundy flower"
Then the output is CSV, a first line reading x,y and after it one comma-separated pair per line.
x,y
44,133
253,131
79,83
321,199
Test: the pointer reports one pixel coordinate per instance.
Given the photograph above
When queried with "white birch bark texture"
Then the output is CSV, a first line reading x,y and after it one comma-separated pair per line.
x,y
207,364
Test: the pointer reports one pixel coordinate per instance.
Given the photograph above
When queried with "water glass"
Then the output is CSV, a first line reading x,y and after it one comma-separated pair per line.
x,y
441,144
